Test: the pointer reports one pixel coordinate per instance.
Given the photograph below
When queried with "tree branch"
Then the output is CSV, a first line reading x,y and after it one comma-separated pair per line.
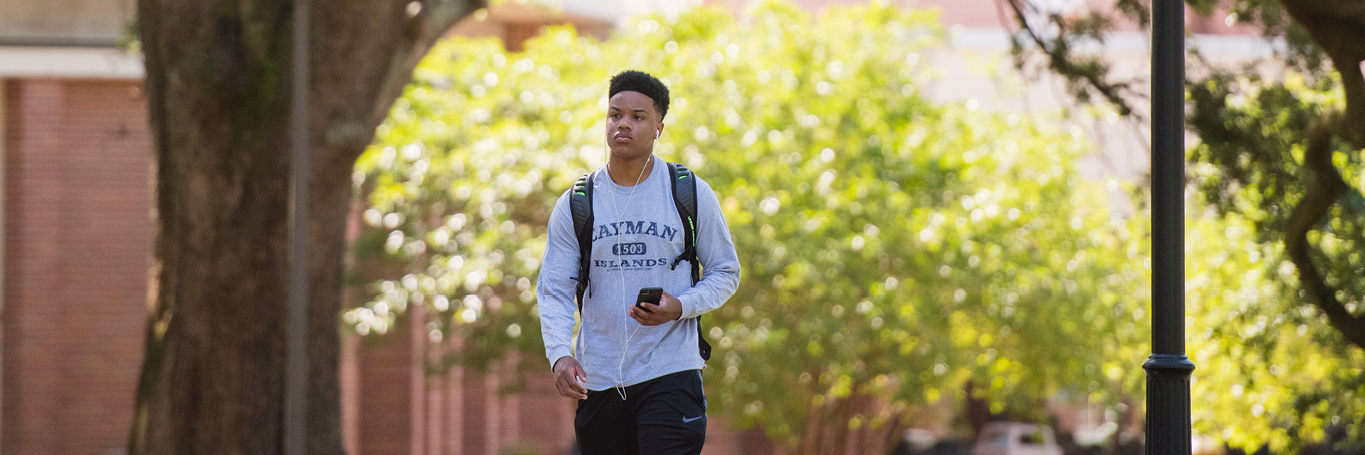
x,y
1061,61
385,41
1353,84
1326,186
1337,26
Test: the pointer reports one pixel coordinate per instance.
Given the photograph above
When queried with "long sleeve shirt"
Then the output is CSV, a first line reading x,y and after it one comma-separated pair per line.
x,y
637,234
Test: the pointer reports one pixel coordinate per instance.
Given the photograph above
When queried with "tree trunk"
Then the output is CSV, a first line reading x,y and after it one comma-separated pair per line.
x,y
1337,27
218,95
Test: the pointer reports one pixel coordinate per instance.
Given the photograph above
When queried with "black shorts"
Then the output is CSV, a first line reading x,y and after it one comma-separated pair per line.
x,y
662,416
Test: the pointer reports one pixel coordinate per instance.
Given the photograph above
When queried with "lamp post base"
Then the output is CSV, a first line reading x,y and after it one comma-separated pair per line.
x,y
1168,404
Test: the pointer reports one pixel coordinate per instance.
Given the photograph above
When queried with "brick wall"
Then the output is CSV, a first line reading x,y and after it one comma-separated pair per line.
x,y
384,393
397,410
77,245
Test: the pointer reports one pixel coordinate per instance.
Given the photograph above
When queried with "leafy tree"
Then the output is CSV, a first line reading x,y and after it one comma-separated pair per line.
x,y
218,91
892,249
1247,125
1282,156
1269,372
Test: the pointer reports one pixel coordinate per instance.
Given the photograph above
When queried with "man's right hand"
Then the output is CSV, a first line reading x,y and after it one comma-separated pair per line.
x,y
569,378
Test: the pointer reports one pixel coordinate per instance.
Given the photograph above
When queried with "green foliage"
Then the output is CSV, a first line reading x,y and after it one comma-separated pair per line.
x,y
1291,375
891,249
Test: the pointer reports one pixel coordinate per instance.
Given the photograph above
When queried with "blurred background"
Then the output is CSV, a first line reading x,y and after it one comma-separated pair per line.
x,y
945,242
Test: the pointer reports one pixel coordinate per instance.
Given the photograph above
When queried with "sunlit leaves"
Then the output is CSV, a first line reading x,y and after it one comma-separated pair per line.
x,y
1294,376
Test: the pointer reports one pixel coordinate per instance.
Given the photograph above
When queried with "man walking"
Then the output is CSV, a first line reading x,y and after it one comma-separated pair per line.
x,y
635,368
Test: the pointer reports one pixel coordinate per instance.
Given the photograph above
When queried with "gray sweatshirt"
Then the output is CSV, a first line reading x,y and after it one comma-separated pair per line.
x,y
637,236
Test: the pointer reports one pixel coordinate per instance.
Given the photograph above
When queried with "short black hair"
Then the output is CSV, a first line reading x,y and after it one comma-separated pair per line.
x,y
639,81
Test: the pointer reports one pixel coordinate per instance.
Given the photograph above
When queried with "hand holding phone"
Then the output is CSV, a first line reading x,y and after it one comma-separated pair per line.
x,y
651,295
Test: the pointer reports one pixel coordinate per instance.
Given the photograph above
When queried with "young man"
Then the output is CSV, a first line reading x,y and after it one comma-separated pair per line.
x,y
636,371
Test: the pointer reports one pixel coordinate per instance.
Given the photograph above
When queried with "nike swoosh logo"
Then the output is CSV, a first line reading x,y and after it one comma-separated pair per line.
x,y
694,419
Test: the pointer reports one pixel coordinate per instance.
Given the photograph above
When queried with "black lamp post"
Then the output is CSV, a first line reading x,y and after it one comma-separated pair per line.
x,y
1168,369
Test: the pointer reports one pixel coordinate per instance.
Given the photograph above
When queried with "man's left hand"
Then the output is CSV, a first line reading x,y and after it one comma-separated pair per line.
x,y
668,309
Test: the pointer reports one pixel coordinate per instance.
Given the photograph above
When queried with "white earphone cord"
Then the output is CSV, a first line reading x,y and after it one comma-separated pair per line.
x,y
620,366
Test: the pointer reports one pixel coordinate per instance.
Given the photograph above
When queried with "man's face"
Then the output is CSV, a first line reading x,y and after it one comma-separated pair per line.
x,y
632,124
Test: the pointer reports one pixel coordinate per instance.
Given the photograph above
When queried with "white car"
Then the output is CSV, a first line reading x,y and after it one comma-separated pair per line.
x,y
1015,438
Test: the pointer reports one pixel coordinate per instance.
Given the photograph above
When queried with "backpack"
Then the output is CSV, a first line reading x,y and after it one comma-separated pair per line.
x,y
684,198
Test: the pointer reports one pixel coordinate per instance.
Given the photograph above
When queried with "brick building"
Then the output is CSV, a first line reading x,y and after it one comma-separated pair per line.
x,y
77,245
77,235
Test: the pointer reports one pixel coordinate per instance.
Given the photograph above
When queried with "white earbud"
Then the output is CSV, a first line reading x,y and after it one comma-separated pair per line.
x,y
656,134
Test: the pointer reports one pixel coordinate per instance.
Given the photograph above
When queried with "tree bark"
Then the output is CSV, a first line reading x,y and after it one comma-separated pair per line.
x,y
218,98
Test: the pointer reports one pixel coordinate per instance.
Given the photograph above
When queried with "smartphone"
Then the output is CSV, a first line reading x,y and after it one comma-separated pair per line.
x,y
651,295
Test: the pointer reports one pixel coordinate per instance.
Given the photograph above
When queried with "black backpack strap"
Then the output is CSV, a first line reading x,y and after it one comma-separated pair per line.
x,y
685,198
580,205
